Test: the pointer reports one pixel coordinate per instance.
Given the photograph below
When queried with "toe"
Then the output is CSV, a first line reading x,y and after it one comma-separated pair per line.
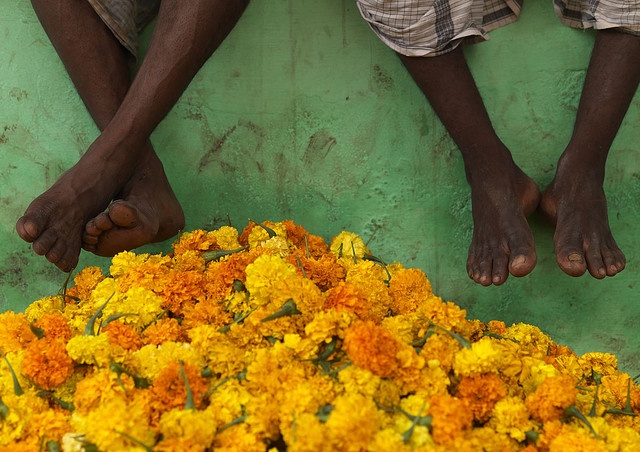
x,y
27,229
44,242
123,214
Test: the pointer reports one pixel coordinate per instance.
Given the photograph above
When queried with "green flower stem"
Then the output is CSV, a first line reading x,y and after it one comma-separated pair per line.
x,y
17,389
288,309
90,329
215,255
190,404
573,411
270,231
4,410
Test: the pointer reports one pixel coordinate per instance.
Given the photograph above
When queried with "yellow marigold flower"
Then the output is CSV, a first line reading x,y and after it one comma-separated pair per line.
x,y
534,373
258,236
442,348
306,434
224,357
98,387
262,275
602,363
389,439
122,262
529,335
196,426
327,324
353,422
90,349
510,416
345,243
47,363
15,333
408,289
49,424
239,438
551,398
19,412
358,380
227,238
151,360
484,356
448,315
481,393
42,306
569,364
579,440
371,347
188,261
112,423
451,416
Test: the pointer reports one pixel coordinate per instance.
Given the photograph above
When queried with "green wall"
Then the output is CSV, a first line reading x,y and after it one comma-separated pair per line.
x,y
304,114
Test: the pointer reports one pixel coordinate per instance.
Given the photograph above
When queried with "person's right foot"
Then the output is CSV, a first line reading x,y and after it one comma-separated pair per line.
x,y
55,220
502,242
146,211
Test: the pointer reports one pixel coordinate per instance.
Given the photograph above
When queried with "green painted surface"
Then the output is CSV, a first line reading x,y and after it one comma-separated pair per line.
x,y
304,114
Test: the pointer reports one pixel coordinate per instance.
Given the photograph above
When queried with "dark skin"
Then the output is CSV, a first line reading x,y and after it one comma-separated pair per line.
x,y
503,196
121,164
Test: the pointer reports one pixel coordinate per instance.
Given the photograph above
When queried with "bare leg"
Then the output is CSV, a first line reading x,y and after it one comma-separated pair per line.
x,y
502,195
575,199
186,34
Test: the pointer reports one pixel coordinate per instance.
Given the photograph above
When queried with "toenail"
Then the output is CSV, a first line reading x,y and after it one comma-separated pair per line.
x,y
575,257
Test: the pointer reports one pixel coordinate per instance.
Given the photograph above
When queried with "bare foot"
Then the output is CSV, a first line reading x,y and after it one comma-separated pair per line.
x,y
576,204
502,242
146,211
55,220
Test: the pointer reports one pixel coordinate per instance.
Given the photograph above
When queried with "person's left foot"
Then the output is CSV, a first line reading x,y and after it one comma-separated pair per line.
x,y
576,204
146,211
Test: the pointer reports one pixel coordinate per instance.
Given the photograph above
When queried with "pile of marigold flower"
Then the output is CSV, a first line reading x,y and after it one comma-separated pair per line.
x,y
271,339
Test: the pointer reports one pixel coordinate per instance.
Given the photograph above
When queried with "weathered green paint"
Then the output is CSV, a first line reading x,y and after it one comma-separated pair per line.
x,y
304,114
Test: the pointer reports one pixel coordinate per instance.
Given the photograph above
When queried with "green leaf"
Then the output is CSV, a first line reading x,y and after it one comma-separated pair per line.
x,y
190,405
17,389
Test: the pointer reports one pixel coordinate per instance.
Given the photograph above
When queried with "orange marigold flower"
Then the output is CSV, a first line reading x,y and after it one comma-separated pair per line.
x,y
354,298
371,347
408,289
497,327
47,363
621,385
552,397
324,270
85,281
123,335
166,329
54,325
481,393
451,416
170,391
446,314
206,312
301,239
182,289
15,332
197,240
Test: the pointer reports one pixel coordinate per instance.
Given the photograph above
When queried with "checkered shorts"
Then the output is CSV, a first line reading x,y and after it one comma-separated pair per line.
x,y
125,18
434,27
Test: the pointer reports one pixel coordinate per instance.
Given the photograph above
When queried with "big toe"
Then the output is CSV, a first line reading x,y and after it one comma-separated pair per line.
x,y
522,263
124,214
27,229
572,262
